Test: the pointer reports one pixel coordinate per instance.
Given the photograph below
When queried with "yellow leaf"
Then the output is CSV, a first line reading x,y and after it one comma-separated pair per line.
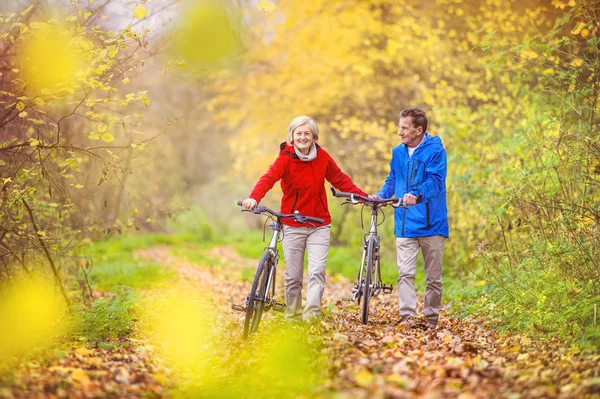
x,y
79,375
364,378
78,185
102,127
108,137
27,10
34,142
140,12
20,106
266,6
84,351
126,80
160,378
23,114
96,361
578,28
577,62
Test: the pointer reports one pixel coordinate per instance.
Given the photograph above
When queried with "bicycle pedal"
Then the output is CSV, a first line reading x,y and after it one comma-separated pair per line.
x,y
346,298
278,307
238,308
376,292
387,289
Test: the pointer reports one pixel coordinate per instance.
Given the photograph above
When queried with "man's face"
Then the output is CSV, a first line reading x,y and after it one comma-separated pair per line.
x,y
411,136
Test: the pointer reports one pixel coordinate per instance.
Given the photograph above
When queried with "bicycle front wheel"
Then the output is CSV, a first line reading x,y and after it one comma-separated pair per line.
x,y
256,298
367,281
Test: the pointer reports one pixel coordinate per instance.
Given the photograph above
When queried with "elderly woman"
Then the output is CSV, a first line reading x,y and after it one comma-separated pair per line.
x,y
302,166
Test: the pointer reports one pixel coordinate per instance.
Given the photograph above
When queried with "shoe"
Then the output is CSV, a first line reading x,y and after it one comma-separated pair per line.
x,y
431,325
408,321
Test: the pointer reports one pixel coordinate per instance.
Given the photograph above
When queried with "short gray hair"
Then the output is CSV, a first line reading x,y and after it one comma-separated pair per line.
x,y
299,121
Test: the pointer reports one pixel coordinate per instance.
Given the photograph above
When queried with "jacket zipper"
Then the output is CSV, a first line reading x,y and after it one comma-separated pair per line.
x,y
295,202
407,179
427,214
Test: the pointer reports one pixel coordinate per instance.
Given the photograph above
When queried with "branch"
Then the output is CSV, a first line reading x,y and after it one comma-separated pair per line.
x,y
47,252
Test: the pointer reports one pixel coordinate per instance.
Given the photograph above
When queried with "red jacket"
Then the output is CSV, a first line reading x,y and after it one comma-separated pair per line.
x,y
303,183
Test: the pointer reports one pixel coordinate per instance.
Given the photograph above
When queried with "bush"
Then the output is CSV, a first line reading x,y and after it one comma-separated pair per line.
x,y
112,317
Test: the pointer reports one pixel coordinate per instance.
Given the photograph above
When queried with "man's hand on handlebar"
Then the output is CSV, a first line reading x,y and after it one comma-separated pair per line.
x,y
249,203
409,199
375,197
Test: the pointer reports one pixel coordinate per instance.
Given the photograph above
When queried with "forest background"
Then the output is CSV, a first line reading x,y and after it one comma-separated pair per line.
x,y
121,119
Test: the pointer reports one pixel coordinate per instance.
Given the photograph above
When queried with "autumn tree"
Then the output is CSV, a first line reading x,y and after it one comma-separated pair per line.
x,y
64,110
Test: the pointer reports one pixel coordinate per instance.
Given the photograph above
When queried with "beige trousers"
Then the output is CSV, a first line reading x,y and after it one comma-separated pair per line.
x,y
297,240
406,253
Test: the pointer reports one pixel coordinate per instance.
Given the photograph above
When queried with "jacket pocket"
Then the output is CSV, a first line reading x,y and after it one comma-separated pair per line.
x,y
417,173
427,214
323,204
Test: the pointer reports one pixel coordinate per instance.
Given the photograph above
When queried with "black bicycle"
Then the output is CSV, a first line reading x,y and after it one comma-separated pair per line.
x,y
262,293
368,283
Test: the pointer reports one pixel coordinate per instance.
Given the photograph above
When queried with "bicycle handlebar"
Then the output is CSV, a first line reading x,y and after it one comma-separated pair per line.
x,y
259,209
354,199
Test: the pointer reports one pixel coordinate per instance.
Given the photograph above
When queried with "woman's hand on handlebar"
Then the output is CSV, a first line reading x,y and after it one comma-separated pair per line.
x,y
249,203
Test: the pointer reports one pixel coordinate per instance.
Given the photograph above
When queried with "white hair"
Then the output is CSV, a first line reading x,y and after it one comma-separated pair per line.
x,y
299,121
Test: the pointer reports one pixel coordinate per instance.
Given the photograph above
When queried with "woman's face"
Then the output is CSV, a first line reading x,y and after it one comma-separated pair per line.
x,y
303,138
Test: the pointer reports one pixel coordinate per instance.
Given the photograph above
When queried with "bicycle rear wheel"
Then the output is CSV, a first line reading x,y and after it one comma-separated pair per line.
x,y
256,298
367,281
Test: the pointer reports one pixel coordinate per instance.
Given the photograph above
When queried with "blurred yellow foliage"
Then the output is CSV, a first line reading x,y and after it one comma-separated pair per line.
x,y
52,57
181,325
205,36
30,316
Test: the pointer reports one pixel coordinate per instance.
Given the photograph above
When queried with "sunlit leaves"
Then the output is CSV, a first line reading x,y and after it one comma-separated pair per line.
x,y
51,57
31,315
140,12
266,6
206,37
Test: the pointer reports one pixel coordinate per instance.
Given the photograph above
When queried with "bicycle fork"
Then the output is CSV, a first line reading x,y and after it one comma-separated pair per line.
x,y
269,302
377,285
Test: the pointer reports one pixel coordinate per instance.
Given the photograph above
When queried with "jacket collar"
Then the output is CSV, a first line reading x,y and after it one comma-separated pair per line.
x,y
286,149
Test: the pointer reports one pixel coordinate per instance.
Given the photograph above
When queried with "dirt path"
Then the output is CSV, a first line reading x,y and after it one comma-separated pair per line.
x,y
460,359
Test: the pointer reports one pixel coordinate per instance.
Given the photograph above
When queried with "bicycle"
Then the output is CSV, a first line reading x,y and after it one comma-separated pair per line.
x,y
262,293
369,283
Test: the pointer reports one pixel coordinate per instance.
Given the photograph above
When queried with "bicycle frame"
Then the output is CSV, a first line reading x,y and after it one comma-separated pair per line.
x,y
371,235
262,293
276,226
369,282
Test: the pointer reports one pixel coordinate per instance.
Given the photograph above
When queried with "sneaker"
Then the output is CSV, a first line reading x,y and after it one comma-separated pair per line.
x,y
430,325
408,321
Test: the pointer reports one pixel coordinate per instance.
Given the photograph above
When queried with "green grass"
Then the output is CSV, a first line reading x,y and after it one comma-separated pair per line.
x,y
110,318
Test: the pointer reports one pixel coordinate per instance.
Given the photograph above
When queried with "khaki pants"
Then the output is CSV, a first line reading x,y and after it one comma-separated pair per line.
x,y
406,253
297,240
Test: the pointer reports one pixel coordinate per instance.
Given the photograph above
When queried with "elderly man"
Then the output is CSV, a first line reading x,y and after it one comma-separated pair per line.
x,y
418,168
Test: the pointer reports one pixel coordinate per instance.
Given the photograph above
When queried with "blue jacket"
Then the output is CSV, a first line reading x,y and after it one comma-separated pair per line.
x,y
424,173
